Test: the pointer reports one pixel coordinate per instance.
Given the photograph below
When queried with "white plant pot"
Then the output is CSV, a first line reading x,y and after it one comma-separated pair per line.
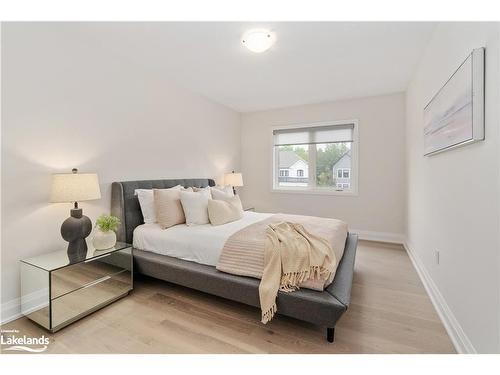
x,y
104,240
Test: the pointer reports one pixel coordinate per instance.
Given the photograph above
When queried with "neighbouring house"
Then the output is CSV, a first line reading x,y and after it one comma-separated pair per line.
x,y
342,172
292,168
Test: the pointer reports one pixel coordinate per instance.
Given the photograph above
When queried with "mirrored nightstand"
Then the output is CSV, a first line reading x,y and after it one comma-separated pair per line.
x,y
58,288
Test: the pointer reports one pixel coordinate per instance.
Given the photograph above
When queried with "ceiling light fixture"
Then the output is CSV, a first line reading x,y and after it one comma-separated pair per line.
x,y
258,40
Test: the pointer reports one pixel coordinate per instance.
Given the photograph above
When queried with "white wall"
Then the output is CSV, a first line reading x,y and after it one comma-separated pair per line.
x,y
67,102
453,197
380,205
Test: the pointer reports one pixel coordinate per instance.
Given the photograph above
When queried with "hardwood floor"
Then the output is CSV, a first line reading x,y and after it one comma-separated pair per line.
x,y
390,312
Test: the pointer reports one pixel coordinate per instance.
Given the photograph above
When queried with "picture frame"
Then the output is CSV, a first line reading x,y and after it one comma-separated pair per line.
x,y
454,117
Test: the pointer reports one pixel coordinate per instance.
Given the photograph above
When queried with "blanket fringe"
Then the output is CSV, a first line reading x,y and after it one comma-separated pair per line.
x,y
319,272
269,314
290,281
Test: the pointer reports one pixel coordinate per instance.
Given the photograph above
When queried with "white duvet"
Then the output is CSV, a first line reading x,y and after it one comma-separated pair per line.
x,y
199,243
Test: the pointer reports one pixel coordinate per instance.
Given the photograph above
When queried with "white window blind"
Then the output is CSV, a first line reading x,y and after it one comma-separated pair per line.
x,y
314,135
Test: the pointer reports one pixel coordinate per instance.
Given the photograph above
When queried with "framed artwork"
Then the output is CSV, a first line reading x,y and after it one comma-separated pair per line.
x,y
455,115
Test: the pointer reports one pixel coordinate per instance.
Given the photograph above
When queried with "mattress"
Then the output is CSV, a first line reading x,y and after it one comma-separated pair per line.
x,y
199,243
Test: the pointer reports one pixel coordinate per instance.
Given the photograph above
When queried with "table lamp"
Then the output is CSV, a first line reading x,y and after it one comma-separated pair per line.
x,y
233,179
75,187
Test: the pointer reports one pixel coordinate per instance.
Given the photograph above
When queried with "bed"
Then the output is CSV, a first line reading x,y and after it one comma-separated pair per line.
x,y
192,266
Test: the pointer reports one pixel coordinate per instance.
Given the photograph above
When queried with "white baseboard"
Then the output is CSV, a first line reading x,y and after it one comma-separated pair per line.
x,y
457,335
379,236
11,310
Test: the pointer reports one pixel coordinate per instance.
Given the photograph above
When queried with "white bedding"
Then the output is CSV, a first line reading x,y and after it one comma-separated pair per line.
x,y
200,243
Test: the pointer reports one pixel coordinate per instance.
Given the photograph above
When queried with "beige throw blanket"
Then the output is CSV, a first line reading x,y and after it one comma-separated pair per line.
x,y
292,255
244,252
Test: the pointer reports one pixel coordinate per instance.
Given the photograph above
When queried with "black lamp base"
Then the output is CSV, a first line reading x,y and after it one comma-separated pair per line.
x,y
75,229
77,250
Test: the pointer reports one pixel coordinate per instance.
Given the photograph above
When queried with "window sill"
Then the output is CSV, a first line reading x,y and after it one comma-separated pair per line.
x,y
315,192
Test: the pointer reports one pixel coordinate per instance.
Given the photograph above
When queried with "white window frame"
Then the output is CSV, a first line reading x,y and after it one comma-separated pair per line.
x,y
353,191
301,174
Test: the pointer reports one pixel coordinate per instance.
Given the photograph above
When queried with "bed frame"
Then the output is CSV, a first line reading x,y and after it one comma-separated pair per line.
x,y
321,308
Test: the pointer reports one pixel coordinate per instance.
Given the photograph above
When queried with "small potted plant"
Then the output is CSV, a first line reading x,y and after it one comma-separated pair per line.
x,y
105,236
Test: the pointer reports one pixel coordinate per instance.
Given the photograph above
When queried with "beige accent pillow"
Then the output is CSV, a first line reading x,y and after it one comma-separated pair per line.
x,y
222,195
168,208
146,201
226,189
234,199
224,211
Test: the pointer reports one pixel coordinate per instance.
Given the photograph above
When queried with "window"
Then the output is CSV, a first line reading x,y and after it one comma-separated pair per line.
x,y
323,157
343,173
284,172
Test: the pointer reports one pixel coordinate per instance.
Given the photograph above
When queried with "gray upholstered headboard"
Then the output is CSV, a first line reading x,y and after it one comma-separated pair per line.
x,y
125,205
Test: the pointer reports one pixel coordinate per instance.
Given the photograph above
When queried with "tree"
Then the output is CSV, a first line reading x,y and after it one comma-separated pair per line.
x,y
325,160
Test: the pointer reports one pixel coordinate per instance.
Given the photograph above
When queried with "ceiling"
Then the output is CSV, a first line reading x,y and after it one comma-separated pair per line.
x,y
310,61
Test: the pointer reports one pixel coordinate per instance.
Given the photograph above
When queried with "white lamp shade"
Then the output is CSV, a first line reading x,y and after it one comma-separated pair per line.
x,y
233,179
74,187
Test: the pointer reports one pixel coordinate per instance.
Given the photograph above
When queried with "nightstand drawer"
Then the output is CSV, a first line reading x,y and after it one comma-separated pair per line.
x,y
68,279
76,304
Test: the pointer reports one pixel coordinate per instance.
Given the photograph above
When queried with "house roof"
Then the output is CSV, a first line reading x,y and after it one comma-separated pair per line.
x,y
288,158
346,154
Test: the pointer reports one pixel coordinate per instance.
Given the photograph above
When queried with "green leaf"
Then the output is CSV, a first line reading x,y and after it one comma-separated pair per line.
x,y
107,222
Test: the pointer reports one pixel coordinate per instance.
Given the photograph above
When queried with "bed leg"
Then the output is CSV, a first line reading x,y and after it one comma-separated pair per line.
x,y
330,334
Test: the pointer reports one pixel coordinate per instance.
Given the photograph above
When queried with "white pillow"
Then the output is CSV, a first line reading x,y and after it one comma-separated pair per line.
x,y
195,206
147,203
226,189
205,189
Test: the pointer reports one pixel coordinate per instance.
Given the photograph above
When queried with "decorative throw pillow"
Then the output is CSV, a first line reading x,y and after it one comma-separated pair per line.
x,y
168,207
221,195
226,189
230,198
146,201
224,211
195,205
